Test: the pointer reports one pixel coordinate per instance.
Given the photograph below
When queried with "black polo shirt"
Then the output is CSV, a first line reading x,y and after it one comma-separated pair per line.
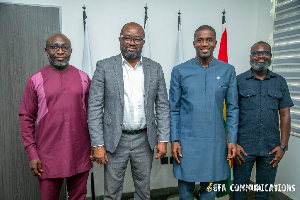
x,y
259,102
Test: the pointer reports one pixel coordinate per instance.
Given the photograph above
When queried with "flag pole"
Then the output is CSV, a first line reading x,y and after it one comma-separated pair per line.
x,y
146,15
223,56
84,17
146,47
223,17
179,20
92,174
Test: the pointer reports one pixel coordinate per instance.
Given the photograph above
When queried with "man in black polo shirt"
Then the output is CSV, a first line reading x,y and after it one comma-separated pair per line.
x,y
262,93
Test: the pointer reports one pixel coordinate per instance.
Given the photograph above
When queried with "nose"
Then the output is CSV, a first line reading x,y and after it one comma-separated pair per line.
x,y
132,42
204,43
260,55
60,51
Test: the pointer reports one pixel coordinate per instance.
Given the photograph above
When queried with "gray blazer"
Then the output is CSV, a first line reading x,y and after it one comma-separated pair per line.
x,y
106,103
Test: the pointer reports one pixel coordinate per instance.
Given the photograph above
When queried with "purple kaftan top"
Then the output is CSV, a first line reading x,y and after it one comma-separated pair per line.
x,y
53,121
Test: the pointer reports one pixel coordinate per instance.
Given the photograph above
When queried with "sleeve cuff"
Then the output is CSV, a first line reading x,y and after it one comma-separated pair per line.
x,y
32,153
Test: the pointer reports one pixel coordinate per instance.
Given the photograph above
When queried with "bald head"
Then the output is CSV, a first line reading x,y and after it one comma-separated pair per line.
x,y
58,50
58,36
132,25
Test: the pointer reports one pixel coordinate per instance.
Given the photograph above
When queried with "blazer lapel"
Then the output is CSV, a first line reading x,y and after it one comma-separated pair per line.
x,y
119,77
146,69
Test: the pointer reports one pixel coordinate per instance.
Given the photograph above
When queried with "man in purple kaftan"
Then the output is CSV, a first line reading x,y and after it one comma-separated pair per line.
x,y
53,123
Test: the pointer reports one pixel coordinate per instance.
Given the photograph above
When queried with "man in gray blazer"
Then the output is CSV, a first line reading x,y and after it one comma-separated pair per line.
x,y
124,92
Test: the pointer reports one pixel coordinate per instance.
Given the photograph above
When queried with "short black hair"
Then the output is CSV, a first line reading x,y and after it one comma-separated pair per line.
x,y
261,42
205,27
132,23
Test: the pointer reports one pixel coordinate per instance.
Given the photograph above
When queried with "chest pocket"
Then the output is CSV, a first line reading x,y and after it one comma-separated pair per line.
x,y
247,99
274,96
222,90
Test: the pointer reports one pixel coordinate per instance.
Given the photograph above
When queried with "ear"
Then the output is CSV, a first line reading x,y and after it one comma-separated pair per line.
x,y
119,39
215,44
194,44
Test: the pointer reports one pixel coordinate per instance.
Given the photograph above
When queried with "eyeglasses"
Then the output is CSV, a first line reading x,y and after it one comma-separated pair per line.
x,y
136,40
263,53
55,47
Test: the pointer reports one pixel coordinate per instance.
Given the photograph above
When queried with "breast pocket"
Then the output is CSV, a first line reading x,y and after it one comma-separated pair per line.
x,y
247,99
274,97
222,90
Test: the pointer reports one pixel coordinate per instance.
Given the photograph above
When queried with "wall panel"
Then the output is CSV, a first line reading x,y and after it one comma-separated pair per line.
x,y
23,33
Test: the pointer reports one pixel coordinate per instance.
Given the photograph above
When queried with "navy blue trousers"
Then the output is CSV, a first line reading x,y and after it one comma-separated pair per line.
x,y
265,174
186,191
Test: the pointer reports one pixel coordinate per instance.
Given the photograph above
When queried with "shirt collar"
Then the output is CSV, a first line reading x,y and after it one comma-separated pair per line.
x,y
250,74
138,63
211,63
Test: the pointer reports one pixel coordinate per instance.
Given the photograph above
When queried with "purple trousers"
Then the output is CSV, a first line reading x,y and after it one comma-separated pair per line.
x,y
76,186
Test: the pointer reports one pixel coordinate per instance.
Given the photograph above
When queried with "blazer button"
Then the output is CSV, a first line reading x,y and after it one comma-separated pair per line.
x,y
121,123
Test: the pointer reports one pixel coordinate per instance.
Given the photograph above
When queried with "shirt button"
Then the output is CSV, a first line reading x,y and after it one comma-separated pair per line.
x,y
66,123
262,109
261,95
261,124
121,123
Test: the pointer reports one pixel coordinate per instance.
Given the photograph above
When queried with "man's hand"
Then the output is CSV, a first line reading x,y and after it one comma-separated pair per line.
x,y
231,150
99,155
92,156
176,149
36,167
278,155
161,150
238,158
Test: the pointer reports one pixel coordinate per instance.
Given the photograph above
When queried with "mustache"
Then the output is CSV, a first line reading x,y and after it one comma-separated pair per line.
x,y
131,46
265,59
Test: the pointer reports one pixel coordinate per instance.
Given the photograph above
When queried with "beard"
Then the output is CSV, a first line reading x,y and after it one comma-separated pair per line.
x,y
131,55
59,65
260,67
203,56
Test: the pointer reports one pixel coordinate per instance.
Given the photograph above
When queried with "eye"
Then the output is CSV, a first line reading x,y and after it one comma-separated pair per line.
x,y
209,40
66,47
54,47
127,39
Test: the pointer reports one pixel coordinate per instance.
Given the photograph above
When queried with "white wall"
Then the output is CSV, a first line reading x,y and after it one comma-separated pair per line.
x,y
247,23
288,168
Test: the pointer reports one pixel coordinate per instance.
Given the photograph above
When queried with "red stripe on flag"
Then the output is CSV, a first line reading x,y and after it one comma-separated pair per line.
x,y
223,55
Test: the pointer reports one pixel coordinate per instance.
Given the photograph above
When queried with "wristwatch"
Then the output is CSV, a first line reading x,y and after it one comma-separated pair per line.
x,y
284,148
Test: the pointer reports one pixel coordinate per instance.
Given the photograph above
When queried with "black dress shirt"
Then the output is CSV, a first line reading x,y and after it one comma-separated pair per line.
x,y
259,102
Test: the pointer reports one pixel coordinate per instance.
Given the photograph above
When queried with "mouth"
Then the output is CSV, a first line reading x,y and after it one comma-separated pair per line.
x,y
205,50
261,61
131,49
60,58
